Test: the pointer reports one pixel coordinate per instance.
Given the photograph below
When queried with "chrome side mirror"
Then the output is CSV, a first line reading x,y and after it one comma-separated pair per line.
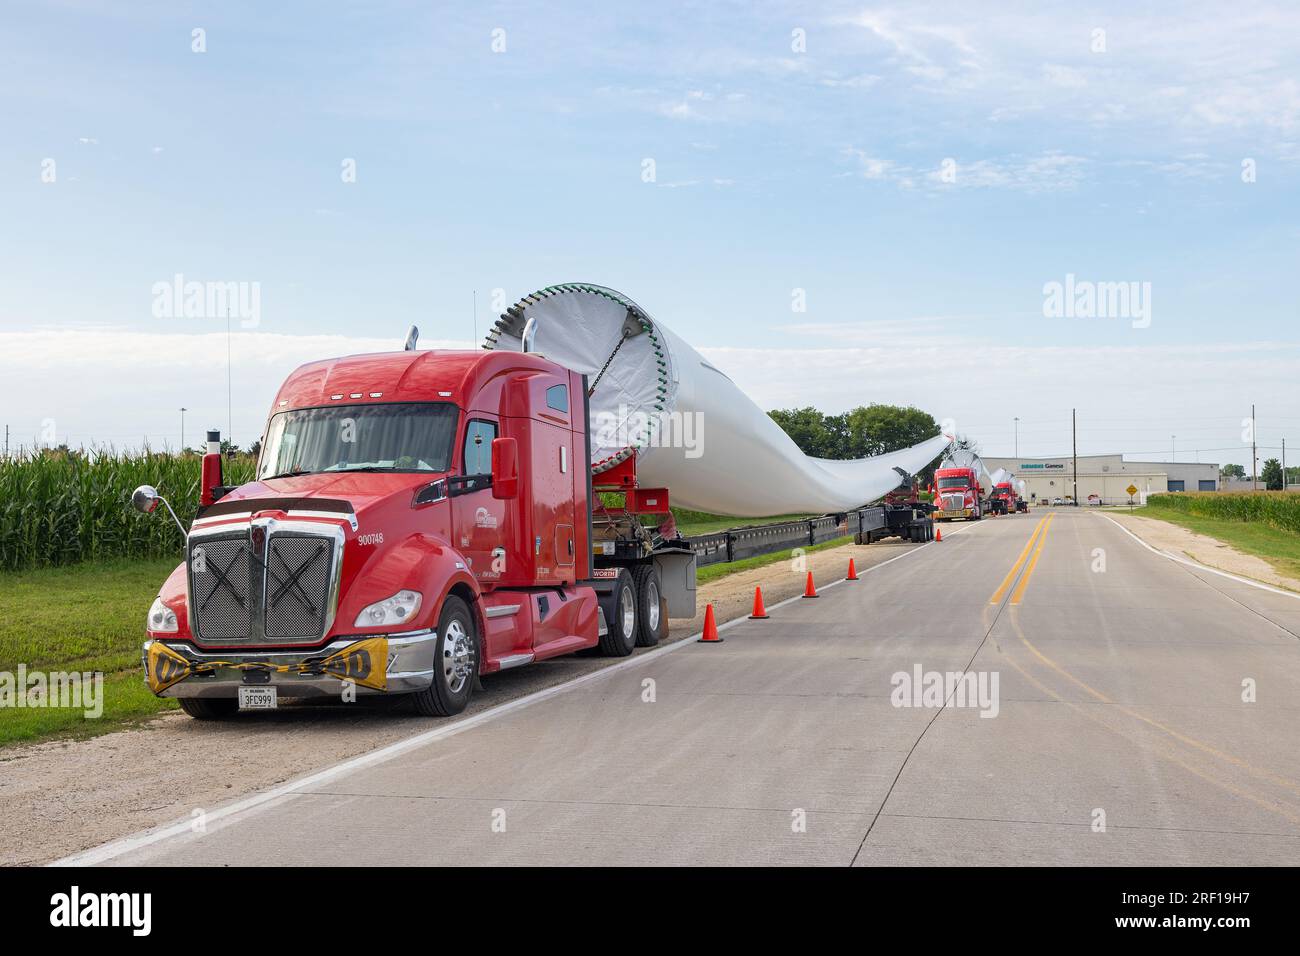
x,y
145,500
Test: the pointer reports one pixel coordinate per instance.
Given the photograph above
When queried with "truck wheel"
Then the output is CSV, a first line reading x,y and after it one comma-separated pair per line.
x,y
455,663
651,622
209,708
620,617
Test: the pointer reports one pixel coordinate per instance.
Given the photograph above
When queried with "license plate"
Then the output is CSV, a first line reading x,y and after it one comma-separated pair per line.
x,y
257,698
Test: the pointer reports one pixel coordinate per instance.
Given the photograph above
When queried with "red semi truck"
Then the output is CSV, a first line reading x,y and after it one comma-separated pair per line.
x,y
1003,498
418,519
957,494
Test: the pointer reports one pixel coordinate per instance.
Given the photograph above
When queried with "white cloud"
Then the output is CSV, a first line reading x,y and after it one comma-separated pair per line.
x,y
1171,387
103,384
114,385
1040,173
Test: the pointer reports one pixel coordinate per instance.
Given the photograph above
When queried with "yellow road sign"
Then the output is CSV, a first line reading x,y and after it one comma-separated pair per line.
x,y
1132,490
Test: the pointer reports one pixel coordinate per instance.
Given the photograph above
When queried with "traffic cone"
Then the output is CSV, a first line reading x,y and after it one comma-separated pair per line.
x,y
710,635
810,590
853,572
938,533
760,612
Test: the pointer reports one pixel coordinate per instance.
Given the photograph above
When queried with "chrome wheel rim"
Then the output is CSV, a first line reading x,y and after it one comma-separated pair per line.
x,y
627,610
457,657
652,596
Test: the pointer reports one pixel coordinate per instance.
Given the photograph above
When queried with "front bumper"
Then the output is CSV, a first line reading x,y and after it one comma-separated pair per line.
x,y
387,664
957,513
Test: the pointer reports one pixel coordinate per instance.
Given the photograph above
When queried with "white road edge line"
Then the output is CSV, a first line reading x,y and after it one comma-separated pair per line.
x,y
1201,567
138,841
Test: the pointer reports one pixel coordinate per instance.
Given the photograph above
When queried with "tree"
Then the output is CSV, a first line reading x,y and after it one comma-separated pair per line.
x,y
1272,475
1233,471
859,433
806,426
878,429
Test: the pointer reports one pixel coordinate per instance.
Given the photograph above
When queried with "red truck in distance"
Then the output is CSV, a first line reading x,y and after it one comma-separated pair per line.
x,y
1003,498
957,494
418,519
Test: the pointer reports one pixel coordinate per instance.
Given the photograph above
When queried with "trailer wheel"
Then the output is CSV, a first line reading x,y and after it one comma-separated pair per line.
x,y
209,708
455,663
651,624
620,617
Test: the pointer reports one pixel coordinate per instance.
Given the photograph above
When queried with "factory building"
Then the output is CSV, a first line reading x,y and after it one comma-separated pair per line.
x,y
1105,479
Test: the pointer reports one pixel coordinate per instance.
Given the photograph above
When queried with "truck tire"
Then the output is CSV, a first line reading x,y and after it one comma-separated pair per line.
x,y
209,708
455,662
651,623
620,617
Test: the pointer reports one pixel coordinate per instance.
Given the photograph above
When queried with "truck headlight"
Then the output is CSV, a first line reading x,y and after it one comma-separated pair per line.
x,y
398,609
162,619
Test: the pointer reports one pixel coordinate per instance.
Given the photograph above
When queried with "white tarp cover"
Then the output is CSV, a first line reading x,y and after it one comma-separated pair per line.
x,y
693,430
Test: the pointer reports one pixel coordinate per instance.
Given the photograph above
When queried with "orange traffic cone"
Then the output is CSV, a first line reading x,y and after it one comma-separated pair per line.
x,y
938,533
853,572
810,590
760,612
710,635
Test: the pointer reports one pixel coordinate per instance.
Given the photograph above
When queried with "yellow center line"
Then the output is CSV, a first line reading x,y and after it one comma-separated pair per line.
x,y
1000,593
1019,593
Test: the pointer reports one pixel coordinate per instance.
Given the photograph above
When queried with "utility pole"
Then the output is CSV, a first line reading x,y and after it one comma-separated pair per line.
x,y
1017,436
230,416
1254,454
475,294
183,411
1173,453
1074,430
1284,464
6,442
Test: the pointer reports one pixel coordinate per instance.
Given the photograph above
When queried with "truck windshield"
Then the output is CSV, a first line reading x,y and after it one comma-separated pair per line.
x,y
945,483
410,436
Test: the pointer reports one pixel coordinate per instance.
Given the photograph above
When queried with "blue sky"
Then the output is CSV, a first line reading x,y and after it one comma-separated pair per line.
x,y
783,161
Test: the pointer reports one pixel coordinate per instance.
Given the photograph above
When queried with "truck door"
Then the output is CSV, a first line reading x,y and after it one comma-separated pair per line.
x,y
551,471
478,520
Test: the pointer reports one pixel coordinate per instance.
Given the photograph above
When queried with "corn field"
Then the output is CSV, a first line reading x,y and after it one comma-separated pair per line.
x,y
61,507
1277,509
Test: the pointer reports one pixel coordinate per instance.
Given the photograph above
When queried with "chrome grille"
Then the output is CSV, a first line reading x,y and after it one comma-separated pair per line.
x,y
221,587
297,586
263,585
954,503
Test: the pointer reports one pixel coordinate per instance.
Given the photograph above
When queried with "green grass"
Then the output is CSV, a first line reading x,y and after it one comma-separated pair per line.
x,y
87,617
714,571
1279,548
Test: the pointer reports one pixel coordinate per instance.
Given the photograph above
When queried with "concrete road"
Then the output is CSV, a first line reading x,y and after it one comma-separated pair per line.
x,y
1112,730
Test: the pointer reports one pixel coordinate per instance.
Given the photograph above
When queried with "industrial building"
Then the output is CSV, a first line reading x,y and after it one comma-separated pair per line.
x,y
1105,479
